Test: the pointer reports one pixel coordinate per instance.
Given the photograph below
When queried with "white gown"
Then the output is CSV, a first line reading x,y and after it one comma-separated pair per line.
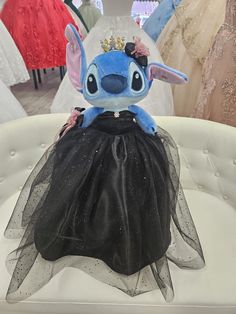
x,y
12,65
158,102
10,108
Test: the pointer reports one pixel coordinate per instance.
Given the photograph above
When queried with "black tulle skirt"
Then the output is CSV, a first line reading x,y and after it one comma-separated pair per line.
x,y
107,200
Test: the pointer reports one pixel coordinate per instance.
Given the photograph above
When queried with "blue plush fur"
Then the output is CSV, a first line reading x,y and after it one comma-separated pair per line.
x,y
108,85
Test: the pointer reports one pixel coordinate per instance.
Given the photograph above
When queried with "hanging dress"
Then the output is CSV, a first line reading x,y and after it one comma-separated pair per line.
x,y
37,27
90,13
12,66
185,42
77,17
217,98
156,22
10,108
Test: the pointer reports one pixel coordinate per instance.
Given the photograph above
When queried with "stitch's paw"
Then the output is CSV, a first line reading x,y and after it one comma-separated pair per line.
x,y
151,129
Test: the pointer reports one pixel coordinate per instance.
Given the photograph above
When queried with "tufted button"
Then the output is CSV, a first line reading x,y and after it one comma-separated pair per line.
x,y
234,161
2,179
20,187
217,174
200,187
188,166
43,145
225,197
12,153
29,167
206,151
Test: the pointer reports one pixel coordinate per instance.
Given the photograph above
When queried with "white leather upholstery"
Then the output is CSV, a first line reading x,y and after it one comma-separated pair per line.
x,y
208,175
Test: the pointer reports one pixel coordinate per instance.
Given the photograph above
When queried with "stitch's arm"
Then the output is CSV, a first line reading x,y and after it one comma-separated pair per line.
x,y
144,120
89,115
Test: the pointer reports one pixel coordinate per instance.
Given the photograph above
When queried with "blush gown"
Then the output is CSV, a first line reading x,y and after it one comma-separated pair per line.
x,y
37,27
217,98
10,108
184,44
155,24
159,100
107,200
12,66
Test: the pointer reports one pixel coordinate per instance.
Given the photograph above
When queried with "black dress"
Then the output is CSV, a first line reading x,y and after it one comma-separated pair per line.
x,y
105,197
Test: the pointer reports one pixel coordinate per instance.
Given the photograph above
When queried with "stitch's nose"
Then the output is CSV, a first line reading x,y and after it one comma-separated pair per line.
x,y
114,84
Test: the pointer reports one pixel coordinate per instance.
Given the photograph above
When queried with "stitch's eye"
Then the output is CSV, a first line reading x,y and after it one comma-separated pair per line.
x,y
137,82
92,80
136,78
92,84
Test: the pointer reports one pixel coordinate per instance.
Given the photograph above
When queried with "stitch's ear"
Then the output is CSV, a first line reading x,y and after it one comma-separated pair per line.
x,y
75,58
164,73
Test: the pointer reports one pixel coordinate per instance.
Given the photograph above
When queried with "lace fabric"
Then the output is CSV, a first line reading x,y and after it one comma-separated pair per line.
x,y
12,66
184,44
217,97
37,27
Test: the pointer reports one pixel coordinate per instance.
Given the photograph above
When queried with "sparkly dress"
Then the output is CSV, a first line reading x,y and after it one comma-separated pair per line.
x,y
217,99
105,199
184,44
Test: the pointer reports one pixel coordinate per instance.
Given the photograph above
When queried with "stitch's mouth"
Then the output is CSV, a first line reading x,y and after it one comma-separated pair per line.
x,y
114,84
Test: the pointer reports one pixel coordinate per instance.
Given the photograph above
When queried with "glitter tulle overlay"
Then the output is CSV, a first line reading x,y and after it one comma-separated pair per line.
x,y
107,200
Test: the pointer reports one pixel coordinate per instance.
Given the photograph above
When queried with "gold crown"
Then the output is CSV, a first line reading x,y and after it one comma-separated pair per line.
x,y
113,43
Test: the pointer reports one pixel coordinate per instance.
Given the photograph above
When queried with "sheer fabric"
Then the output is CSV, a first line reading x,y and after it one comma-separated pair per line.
x,y
184,44
107,200
217,98
37,27
12,66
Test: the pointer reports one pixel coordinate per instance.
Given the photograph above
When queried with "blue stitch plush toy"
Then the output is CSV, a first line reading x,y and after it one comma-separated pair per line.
x,y
106,197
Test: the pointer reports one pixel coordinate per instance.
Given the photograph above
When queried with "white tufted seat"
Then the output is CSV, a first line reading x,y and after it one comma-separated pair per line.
x,y
208,159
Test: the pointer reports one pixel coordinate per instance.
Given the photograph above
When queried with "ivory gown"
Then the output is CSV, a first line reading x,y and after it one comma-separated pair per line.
x,y
159,100
12,65
10,108
217,98
185,42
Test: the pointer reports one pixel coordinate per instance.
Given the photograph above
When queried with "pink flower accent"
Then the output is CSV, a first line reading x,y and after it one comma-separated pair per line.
x,y
71,122
140,49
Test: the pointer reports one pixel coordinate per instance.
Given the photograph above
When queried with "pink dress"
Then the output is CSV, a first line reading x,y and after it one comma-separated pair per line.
x,y
217,98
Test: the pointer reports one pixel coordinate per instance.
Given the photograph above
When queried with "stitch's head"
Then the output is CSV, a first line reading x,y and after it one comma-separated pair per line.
x,y
113,80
